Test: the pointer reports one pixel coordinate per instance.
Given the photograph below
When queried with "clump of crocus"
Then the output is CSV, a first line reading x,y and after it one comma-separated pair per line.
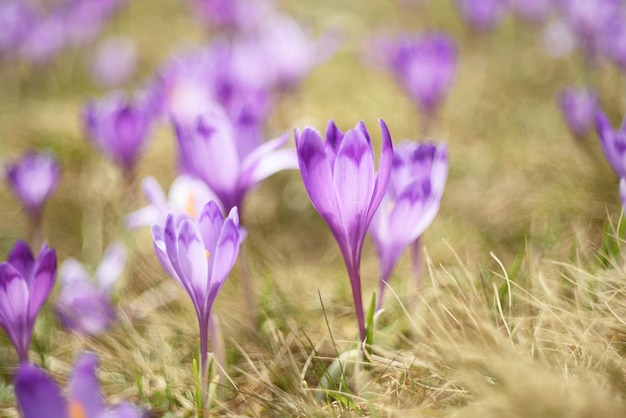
x,y
34,178
589,19
199,255
613,143
25,283
579,107
424,66
482,15
418,177
38,395
187,196
84,304
229,15
119,127
211,151
340,178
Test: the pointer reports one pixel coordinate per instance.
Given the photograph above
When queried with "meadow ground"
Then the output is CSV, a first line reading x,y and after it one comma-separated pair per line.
x,y
521,310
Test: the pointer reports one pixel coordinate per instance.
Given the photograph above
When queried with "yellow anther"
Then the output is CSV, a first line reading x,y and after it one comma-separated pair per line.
x,y
207,253
390,206
190,207
76,410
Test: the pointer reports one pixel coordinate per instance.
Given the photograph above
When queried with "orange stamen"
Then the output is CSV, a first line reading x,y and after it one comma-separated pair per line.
x,y
76,410
190,207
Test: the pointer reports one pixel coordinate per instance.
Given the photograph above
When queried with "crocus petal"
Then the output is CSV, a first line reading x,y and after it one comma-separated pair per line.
x,y
225,254
154,193
439,173
334,136
14,296
384,172
84,386
37,394
123,410
265,161
21,257
189,195
210,225
354,182
161,251
192,257
43,281
84,308
171,246
111,266
414,203
145,216
622,191
612,144
317,177
270,164
72,271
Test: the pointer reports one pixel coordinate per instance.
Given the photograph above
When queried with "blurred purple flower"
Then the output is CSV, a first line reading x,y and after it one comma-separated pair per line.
x,y
114,62
15,23
187,196
85,305
25,283
340,178
578,106
119,127
482,15
424,66
613,143
588,19
229,15
44,40
535,11
418,177
39,396
85,19
210,150
613,42
288,53
199,256
226,73
34,178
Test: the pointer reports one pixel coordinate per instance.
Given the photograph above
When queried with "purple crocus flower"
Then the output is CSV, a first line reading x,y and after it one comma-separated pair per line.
x,y
119,127
424,66
578,106
85,305
38,395
199,255
25,283
114,62
33,179
482,15
210,150
340,178
189,84
418,177
613,143
187,196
